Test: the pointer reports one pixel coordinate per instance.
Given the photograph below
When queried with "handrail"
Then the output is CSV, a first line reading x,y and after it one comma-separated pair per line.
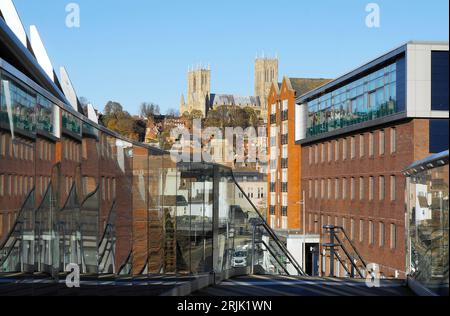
x,y
352,245
273,255
338,256
270,231
349,257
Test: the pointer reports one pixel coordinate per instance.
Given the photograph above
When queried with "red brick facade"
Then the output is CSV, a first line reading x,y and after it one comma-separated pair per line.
x,y
345,177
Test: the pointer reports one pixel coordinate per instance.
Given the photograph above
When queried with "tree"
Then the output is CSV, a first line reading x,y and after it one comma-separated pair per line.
x,y
172,113
149,110
112,107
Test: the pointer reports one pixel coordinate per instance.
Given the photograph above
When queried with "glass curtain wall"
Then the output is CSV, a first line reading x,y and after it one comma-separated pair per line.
x,y
72,192
368,98
428,221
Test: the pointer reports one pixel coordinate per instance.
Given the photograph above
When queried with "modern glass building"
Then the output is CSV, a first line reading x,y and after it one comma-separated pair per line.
x,y
356,134
409,81
427,214
74,192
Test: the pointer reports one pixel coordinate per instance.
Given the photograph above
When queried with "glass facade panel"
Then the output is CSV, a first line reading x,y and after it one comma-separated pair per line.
x,y
428,225
365,99
72,192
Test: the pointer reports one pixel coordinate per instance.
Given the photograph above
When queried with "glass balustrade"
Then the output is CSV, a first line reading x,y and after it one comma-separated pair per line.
x,y
72,192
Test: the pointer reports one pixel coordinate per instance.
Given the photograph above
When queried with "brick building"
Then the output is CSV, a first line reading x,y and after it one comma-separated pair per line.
x,y
284,200
357,134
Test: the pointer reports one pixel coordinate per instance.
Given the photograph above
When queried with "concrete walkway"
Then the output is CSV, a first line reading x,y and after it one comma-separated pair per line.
x,y
291,286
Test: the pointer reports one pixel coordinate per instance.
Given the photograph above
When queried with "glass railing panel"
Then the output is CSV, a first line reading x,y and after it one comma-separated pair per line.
x,y
155,214
140,213
170,182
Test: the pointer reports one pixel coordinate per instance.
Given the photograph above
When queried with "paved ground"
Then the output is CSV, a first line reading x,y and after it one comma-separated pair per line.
x,y
290,286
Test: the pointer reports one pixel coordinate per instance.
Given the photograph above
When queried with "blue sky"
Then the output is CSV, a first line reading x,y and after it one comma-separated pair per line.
x,y
139,50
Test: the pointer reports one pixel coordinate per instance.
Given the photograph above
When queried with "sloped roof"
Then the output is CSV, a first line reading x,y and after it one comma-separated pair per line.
x,y
304,85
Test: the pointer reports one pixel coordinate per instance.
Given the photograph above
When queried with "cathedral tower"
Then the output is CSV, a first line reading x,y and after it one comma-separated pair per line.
x,y
199,89
266,72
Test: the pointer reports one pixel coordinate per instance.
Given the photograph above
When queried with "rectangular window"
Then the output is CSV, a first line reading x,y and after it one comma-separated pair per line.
x,y
382,143
352,188
393,236
344,188
330,152
371,145
310,188
344,149
382,188
382,235
393,140
439,81
393,188
438,135
361,188
316,189
310,155
352,229
361,231
2,185
336,189
371,235
336,150
322,153
361,146
353,147
371,188
316,154
322,189
329,189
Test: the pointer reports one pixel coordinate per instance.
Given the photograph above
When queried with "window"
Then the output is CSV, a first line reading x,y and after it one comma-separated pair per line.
x,y
316,189
393,236
322,153
438,132
361,146
393,188
310,188
344,223
382,235
330,152
352,229
310,155
2,185
371,145
393,140
439,81
316,154
336,189
353,147
361,188
352,188
344,188
336,150
361,231
382,188
371,188
371,236
322,188
344,149
329,189
382,143
3,145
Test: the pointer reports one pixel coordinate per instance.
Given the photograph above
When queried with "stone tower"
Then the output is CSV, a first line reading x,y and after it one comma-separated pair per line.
x,y
199,89
266,72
